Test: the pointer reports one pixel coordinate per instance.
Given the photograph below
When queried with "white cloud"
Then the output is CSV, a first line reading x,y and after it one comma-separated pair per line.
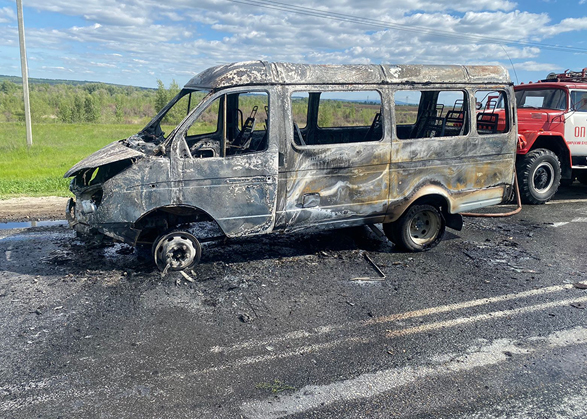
x,y
540,67
178,38
7,15
566,25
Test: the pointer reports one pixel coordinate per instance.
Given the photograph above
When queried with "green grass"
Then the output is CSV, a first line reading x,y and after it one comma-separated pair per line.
x,y
38,171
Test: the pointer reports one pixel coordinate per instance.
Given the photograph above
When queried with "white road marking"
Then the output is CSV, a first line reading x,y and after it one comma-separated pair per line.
x,y
567,201
557,339
524,407
373,384
300,334
574,220
482,317
302,350
240,362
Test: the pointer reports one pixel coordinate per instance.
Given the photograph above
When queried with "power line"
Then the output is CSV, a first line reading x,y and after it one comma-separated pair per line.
x,y
405,28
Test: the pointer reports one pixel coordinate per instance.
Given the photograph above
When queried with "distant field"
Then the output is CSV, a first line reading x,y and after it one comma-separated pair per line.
x,y
56,147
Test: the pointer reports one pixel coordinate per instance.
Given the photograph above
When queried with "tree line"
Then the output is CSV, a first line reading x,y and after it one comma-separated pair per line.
x,y
114,104
85,103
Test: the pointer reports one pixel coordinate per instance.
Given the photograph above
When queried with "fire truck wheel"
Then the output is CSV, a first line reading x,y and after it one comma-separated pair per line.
x,y
420,228
539,175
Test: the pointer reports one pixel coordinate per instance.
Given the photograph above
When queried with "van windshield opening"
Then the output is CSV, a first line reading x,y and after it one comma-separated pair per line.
x,y
168,118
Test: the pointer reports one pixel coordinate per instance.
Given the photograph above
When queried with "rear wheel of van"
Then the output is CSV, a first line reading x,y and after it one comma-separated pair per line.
x,y
176,251
539,175
420,228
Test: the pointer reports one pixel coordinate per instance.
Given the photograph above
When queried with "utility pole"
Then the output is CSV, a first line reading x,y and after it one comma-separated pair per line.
x,y
25,75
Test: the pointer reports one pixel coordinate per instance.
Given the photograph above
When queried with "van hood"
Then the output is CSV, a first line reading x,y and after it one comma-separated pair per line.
x,y
113,152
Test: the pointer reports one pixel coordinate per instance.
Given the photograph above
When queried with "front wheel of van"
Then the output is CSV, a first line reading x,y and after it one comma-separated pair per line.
x,y
419,229
176,251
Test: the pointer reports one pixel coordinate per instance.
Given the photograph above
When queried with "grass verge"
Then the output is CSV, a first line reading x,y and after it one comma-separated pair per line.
x,y
38,171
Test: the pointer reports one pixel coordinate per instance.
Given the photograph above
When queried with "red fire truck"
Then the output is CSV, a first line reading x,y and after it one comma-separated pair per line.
x,y
552,141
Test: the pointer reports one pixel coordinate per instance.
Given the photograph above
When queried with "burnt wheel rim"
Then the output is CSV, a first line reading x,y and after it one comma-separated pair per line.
x,y
177,251
424,227
543,177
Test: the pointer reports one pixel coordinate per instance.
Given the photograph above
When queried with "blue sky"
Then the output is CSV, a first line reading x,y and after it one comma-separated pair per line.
x,y
136,42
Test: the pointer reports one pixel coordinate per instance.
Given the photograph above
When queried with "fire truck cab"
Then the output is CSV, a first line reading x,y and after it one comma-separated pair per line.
x,y
552,141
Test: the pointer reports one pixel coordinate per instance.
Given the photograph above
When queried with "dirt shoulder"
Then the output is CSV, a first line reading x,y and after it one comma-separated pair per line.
x,y
27,208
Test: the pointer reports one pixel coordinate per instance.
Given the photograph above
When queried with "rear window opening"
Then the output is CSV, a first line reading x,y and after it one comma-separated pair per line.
x,y
325,118
431,113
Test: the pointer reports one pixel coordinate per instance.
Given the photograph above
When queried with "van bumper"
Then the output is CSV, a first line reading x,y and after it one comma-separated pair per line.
x,y
123,232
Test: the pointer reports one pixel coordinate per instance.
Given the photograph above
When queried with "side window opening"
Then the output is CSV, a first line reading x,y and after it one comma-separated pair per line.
x,y
246,129
579,101
491,115
341,117
431,113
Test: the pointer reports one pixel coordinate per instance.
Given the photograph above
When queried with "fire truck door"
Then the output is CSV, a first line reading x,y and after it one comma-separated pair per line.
x,y
576,123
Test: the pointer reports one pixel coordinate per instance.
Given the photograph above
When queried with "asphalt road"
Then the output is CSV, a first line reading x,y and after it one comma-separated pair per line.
x,y
490,324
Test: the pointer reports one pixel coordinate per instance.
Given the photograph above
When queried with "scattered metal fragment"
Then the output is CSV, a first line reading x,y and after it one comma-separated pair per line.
x,y
186,276
374,265
165,270
379,271
251,306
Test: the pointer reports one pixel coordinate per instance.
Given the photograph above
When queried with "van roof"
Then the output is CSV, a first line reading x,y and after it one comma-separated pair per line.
x,y
266,73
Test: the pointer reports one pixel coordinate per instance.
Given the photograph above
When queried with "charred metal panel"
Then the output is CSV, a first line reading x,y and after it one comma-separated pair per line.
x,y
144,186
460,168
230,75
445,74
346,183
264,73
286,73
113,152
351,181
239,192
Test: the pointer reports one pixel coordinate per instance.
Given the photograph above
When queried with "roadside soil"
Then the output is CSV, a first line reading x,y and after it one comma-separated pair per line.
x,y
33,209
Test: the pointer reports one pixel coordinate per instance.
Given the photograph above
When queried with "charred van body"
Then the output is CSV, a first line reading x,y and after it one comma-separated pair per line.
x,y
268,147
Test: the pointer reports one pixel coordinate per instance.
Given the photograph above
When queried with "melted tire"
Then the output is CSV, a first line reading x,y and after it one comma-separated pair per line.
x,y
539,176
420,228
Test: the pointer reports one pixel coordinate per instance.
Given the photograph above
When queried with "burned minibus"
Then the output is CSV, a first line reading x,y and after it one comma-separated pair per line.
x,y
276,147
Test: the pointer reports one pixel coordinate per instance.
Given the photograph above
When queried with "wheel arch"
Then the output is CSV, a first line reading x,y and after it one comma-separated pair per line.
x,y
164,218
431,195
558,145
